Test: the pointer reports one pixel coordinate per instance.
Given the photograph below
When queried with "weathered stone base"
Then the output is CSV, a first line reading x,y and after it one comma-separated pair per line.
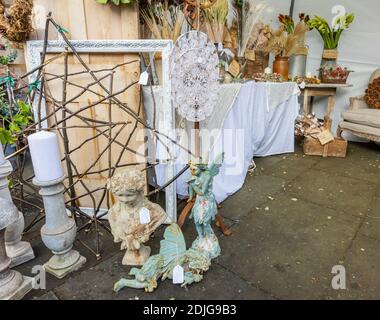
x,y
22,254
61,273
136,258
26,286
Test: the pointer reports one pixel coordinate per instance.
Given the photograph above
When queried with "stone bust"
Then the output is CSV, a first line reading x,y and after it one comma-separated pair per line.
x,y
124,216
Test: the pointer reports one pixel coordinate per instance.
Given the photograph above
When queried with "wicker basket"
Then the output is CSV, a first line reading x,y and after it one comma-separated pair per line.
x,y
335,75
258,65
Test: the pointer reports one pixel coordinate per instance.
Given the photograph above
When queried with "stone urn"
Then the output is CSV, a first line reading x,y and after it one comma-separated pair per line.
x,y
13,285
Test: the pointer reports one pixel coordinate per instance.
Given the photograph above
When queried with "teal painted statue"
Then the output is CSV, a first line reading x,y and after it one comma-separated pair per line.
x,y
197,259
205,207
172,253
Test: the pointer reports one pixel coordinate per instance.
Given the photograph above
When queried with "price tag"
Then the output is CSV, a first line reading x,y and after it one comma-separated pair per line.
x,y
178,275
144,215
250,55
234,68
325,137
144,78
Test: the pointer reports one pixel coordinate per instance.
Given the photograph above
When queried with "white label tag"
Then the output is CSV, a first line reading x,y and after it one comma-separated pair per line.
x,y
144,215
220,46
178,275
144,78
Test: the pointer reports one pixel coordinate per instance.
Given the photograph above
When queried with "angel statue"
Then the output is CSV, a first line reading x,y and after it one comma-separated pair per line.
x,y
205,207
173,253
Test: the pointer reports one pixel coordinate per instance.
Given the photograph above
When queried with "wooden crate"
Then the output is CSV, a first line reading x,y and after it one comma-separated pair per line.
x,y
336,148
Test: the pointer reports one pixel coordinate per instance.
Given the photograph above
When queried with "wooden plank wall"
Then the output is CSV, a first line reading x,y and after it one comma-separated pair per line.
x,y
86,19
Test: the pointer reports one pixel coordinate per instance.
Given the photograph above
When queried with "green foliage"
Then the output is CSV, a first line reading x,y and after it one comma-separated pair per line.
x,y
116,2
331,35
6,60
12,125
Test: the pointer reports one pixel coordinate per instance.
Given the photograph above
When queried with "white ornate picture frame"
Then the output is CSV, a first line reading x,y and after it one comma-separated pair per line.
x,y
34,50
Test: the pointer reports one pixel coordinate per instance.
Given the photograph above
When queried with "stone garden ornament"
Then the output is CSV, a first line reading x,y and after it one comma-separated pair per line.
x,y
174,261
13,285
205,207
18,251
133,218
194,74
172,254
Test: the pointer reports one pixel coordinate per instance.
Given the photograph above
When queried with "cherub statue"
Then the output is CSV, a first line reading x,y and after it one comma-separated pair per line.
x,y
125,216
205,207
172,253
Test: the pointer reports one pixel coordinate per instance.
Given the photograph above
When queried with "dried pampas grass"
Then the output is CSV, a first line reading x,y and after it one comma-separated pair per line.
x,y
216,17
252,14
285,45
164,21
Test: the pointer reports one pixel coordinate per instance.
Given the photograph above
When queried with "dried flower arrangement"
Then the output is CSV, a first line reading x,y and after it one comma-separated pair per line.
x,y
372,94
331,35
291,28
216,16
308,126
251,16
283,44
16,22
163,20
334,74
260,36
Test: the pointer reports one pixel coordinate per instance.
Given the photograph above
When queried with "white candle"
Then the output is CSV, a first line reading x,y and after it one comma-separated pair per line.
x,y
268,70
46,157
2,157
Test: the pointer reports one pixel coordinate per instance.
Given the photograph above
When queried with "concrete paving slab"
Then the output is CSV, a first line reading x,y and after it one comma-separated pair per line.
x,y
290,249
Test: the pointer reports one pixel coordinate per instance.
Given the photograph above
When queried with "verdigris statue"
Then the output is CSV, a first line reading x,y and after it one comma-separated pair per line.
x,y
133,218
205,207
172,253
197,259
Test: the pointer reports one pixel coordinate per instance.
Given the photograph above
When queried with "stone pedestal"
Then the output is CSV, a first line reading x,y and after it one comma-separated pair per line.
x,y
19,251
13,285
136,257
59,231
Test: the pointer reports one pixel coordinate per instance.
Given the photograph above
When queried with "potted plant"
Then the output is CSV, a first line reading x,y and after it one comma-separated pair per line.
x,y
283,45
297,63
15,112
331,35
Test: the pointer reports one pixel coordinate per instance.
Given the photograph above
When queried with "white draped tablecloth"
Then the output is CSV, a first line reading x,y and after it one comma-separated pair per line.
x,y
257,120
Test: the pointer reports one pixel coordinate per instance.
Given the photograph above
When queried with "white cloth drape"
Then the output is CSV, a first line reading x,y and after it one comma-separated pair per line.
x,y
260,122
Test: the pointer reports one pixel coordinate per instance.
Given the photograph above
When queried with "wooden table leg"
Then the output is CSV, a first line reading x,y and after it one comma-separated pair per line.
x,y
306,107
220,224
219,219
330,105
185,213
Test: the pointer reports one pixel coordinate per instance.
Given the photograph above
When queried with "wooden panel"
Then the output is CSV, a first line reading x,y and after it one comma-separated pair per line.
x,y
86,19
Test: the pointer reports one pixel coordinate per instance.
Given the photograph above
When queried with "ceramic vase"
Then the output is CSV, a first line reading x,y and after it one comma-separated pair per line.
x,y
281,66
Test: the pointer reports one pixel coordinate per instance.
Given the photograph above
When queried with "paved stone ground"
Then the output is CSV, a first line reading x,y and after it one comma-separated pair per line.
x,y
294,219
